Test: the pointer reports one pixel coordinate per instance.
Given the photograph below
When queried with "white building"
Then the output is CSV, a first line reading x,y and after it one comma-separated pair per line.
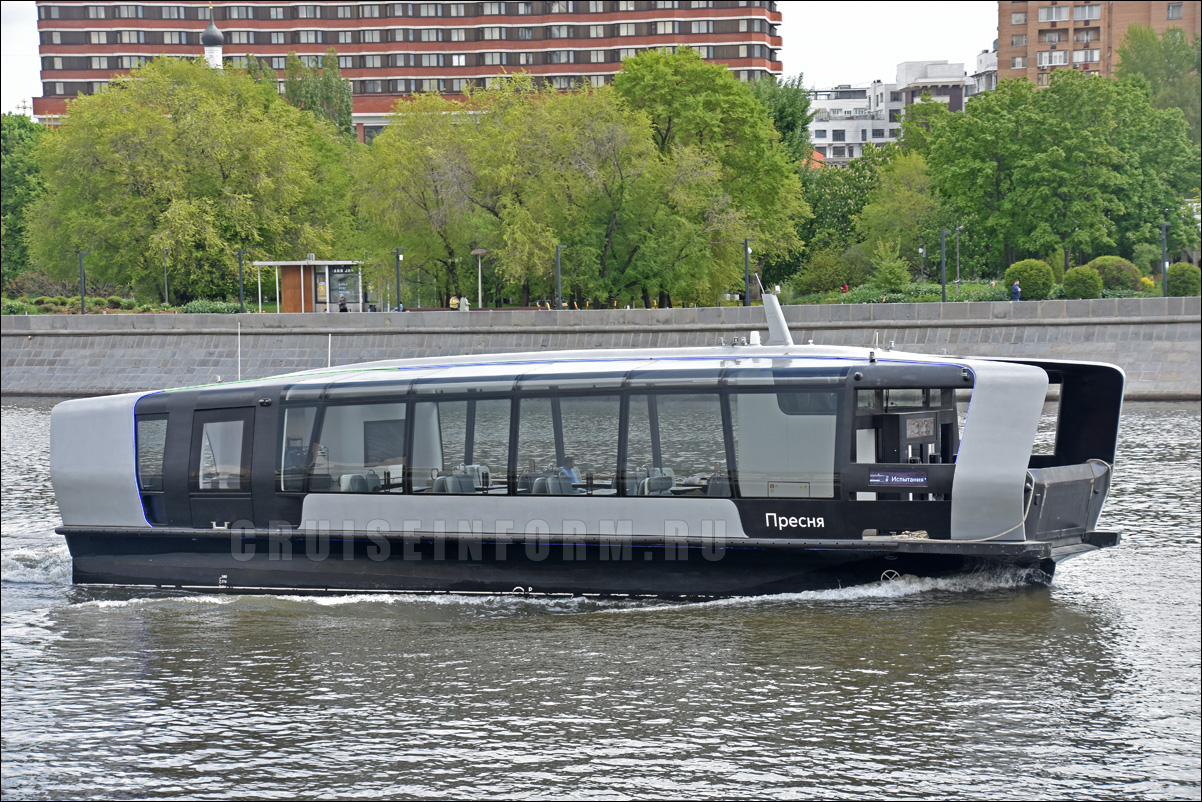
x,y
984,79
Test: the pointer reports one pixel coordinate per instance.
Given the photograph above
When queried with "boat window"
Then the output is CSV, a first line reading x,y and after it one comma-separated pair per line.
x,y
785,443
152,443
675,446
220,459
295,442
360,448
550,430
461,446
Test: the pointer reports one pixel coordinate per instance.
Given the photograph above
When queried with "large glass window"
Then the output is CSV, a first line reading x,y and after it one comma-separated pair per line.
x,y
221,462
785,443
568,445
675,446
359,449
152,443
461,446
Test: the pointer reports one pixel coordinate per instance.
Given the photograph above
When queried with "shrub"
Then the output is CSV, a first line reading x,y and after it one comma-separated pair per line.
x,y
96,303
1056,262
128,303
1082,282
1117,273
11,306
203,307
1146,284
825,271
1184,279
114,301
1146,257
890,273
1034,277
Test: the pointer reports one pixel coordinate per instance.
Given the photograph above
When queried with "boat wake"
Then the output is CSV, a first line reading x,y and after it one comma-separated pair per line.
x,y
37,565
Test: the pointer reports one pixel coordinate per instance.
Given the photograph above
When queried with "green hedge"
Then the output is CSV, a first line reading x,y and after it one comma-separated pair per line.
x,y
1184,279
1117,273
1034,276
211,308
1082,282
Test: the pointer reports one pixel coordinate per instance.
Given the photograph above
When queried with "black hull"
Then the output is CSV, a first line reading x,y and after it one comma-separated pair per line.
x,y
217,561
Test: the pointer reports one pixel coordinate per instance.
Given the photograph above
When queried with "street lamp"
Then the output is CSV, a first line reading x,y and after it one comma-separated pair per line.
x,y
82,254
241,294
747,272
943,261
1164,259
958,230
922,258
166,296
399,256
479,254
558,280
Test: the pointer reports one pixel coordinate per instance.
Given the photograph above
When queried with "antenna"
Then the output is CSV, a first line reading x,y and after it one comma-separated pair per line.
x,y
778,328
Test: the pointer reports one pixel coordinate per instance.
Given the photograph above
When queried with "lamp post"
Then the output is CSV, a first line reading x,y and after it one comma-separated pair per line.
x,y
922,258
241,294
958,230
82,254
747,272
1164,259
479,254
558,280
399,256
166,296
943,261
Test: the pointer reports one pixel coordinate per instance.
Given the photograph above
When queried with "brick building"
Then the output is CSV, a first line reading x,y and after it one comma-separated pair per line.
x,y
1035,38
391,50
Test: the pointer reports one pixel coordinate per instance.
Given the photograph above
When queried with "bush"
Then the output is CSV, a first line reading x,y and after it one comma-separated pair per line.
x,y
1146,257
203,307
1056,262
11,306
890,273
1146,284
1082,282
1034,276
1184,279
128,303
1117,273
114,301
825,271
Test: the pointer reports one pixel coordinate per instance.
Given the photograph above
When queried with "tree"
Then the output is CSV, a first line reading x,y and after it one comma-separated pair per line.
x,y
20,182
1170,66
900,206
788,105
321,90
918,121
889,272
837,196
180,156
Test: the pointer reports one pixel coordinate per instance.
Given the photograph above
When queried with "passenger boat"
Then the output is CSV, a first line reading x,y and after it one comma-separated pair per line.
x,y
737,469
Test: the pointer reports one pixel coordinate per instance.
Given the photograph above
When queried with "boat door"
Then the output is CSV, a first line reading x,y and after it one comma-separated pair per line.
x,y
219,467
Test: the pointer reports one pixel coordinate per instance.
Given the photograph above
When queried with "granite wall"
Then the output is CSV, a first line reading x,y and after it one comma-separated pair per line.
x,y
1155,340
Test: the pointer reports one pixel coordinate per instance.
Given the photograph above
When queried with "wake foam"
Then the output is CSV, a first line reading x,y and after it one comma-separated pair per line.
x,y
51,565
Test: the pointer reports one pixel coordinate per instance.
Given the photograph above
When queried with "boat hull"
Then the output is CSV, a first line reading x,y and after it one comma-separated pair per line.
x,y
374,562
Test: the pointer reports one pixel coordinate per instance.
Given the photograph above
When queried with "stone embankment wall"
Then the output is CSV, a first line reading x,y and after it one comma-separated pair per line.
x,y
1155,340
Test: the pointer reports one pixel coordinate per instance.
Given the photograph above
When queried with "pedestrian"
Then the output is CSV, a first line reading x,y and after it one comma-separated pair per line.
x,y
464,304
454,304
1016,292
342,304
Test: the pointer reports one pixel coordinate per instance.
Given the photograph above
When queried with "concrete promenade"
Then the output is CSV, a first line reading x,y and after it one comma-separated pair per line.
x,y
1155,340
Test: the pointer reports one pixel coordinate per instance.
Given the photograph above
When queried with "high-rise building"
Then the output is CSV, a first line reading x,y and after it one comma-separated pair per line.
x,y
1036,38
391,50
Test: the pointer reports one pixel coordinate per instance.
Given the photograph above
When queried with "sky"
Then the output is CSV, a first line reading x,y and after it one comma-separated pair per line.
x,y
829,43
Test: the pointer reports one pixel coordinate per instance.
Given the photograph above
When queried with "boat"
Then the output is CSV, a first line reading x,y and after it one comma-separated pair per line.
x,y
742,468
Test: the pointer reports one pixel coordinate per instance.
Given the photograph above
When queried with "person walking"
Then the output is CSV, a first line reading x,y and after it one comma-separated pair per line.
x,y
1016,292
342,304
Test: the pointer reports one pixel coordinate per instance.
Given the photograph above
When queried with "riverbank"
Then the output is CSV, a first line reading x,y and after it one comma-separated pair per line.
x,y
1155,340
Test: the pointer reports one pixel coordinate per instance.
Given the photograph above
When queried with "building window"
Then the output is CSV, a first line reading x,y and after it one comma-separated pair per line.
x,y
1041,79
560,32
524,8
458,34
1086,56
625,5
344,12
893,133
455,9
95,12
838,135
1051,37
371,86
278,38
458,60
626,29
597,56
1175,10
345,38
100,63
242,37
561,82
131,37
308,37
667,27
1018,40
560,7
494,59
742,51
175,38
429,10
863,134
1088,12
1018,62
1018,18
369,11
239,12
1051,58
1054,13
369,36
172,12
878,133
276,12
838,151
489,9
280,62
308,12
627,52
372,61
597,80
457,84
129,12
820,133
431,34
561,57
702,26
491,33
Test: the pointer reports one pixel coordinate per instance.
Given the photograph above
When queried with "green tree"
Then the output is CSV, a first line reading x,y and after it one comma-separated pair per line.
x,y
1034,276
788,106
890,272
201,161
1082,282
20,183
321,90
837,196
918,121
1184,279
900,208
1170,66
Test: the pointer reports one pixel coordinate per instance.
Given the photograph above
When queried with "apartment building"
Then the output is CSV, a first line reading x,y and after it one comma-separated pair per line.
x,y
1036,38
848,118
392,50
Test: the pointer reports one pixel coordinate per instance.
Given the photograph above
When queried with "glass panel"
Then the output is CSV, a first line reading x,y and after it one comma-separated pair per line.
x,y
152,441
785,443
220,466
675,446
361,449
568,446
295,440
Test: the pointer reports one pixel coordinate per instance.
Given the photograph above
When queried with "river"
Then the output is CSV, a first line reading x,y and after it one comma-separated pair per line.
x,y
977,687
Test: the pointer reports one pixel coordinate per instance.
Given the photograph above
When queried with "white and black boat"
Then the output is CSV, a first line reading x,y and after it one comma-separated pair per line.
x,y
696,472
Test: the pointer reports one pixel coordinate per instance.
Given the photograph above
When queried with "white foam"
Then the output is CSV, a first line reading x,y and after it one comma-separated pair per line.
x,y
50,565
